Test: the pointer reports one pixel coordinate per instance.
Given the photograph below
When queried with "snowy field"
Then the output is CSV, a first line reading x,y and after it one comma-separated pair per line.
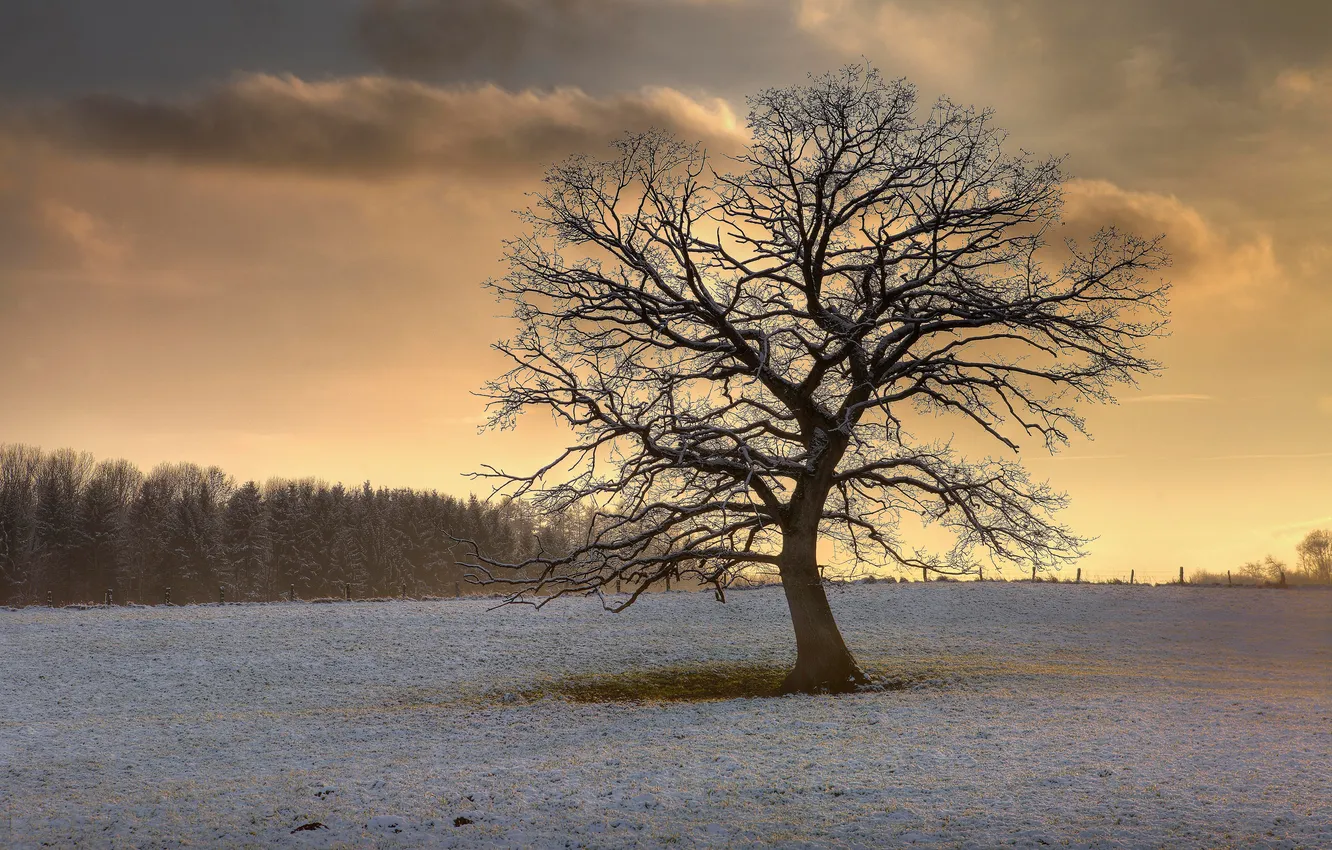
x,y
1036,715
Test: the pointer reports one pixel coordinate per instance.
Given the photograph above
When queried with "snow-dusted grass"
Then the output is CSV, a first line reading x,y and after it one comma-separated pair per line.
x,y
1033,714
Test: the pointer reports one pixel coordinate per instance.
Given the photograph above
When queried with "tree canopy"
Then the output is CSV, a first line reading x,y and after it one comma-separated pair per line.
x,y
745,348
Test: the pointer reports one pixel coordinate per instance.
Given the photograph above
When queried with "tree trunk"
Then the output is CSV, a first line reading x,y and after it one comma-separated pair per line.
x,y
823,663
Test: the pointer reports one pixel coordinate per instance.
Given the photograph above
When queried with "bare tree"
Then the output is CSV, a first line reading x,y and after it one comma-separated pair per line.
x,y
1267,570
741,354
61,481
1315,552
19,469
111,490
248,544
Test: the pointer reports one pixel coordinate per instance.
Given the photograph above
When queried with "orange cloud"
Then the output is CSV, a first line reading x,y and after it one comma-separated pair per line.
x,y
96,244
942,42
1301,87
1206,260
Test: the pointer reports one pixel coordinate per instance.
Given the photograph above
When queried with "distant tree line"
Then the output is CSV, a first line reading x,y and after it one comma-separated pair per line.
x,y
1313,565
75,527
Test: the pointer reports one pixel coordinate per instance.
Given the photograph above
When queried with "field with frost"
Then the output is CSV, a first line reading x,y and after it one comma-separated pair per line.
x,y
1033,715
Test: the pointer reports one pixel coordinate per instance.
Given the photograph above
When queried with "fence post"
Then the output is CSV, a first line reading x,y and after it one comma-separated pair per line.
x,y
1078,580
1181,575
48,600
346,591
167,596
668,582
1229,583
404,590
292,594
1033,572
108,596
221,595
1130,576
980,572
457,588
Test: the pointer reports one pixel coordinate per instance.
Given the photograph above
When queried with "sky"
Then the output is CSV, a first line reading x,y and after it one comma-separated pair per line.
x,y
253,234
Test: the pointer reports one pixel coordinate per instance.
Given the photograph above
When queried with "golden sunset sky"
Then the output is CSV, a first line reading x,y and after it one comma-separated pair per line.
x,y
253,233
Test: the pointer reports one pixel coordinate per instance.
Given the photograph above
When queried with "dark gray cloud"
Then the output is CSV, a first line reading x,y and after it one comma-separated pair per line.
x,y
734,45
429,36
368,126
67,47
1209,43
159,47
731,46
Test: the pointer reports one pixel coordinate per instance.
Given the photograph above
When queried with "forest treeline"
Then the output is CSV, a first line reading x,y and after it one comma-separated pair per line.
x,y
74,527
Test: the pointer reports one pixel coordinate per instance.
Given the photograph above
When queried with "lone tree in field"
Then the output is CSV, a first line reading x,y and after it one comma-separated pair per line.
x,y
740,351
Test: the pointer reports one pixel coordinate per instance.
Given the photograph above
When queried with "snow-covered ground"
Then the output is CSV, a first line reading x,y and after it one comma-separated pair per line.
x,y
1039,715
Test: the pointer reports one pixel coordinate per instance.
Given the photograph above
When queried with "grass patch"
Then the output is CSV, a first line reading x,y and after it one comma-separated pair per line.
x,y
696,683
747,680
702,683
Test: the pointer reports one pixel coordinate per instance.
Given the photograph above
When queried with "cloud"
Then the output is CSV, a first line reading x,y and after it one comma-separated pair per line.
x,y
1300,526
1211,100
1194,42
425,36
372,126
943,42
1274,456
98,246
1205,259
1120,456
735,46
1294,85
1304,92
1167,398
